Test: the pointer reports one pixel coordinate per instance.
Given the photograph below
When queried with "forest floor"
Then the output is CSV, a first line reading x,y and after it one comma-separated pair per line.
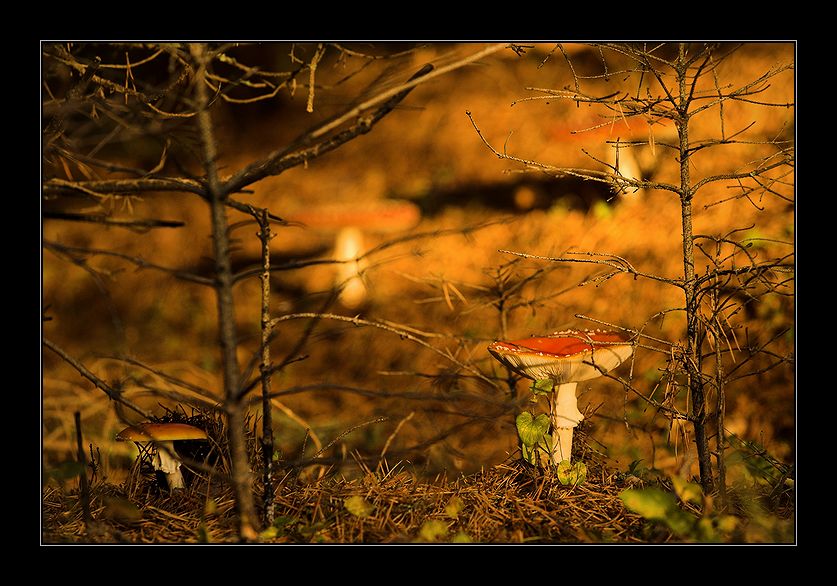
x,y
400,446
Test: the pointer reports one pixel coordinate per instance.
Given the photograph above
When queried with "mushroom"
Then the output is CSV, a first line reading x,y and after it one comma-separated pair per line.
x,y
163,436
565,359
350,221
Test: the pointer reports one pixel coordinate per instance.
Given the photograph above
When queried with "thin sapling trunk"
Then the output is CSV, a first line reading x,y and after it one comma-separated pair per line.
x,y
233,404
692,352
266,236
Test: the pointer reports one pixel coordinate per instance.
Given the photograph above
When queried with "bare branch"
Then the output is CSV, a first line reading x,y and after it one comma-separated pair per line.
x,y
404,334
139,262
300,152
140,225
102,189
616,262
586,174
97,382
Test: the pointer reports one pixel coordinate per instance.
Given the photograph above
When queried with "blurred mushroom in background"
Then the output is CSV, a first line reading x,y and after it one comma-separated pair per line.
x,y
349,223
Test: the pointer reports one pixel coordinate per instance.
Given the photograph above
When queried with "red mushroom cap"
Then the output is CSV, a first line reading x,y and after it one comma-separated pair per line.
x,y
568,356
385,216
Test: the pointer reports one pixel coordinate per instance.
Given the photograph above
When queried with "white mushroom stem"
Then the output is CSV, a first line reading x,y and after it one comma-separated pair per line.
x,y
347,249
165,461
565,417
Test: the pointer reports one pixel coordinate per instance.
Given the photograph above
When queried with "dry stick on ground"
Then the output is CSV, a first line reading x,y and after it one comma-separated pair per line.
x,y
84,487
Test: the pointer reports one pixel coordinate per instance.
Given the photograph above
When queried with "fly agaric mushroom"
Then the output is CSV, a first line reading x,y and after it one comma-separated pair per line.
x,y
350,221
565,359
163,436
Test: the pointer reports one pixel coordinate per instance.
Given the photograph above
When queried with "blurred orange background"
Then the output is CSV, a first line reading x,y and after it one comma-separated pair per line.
x,y
443,280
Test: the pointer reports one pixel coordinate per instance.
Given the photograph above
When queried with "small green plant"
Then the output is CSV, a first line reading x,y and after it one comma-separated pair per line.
x,y
674,511
571,474
454,507
756,465
534,437
536,442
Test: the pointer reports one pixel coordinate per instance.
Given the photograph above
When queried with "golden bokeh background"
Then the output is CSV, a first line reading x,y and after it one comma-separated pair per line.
x,y
444,277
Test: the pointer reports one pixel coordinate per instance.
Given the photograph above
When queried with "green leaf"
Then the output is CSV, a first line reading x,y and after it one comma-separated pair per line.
x,y
358,506
532,430
537,455
727,523
454,507
433,530
542,387
688,492
652,503
571,474
602,210
657,505
461,537
282,521
269,533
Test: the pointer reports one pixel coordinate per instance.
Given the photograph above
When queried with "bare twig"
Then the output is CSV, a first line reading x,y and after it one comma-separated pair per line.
x,y
616,262
300,152
99,190
141,224
139,262
97,382
266,326
312,69
395,433
404,334
84,486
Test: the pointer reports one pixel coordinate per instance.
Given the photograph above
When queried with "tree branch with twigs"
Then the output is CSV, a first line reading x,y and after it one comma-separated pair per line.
x,y
676,83
166,96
